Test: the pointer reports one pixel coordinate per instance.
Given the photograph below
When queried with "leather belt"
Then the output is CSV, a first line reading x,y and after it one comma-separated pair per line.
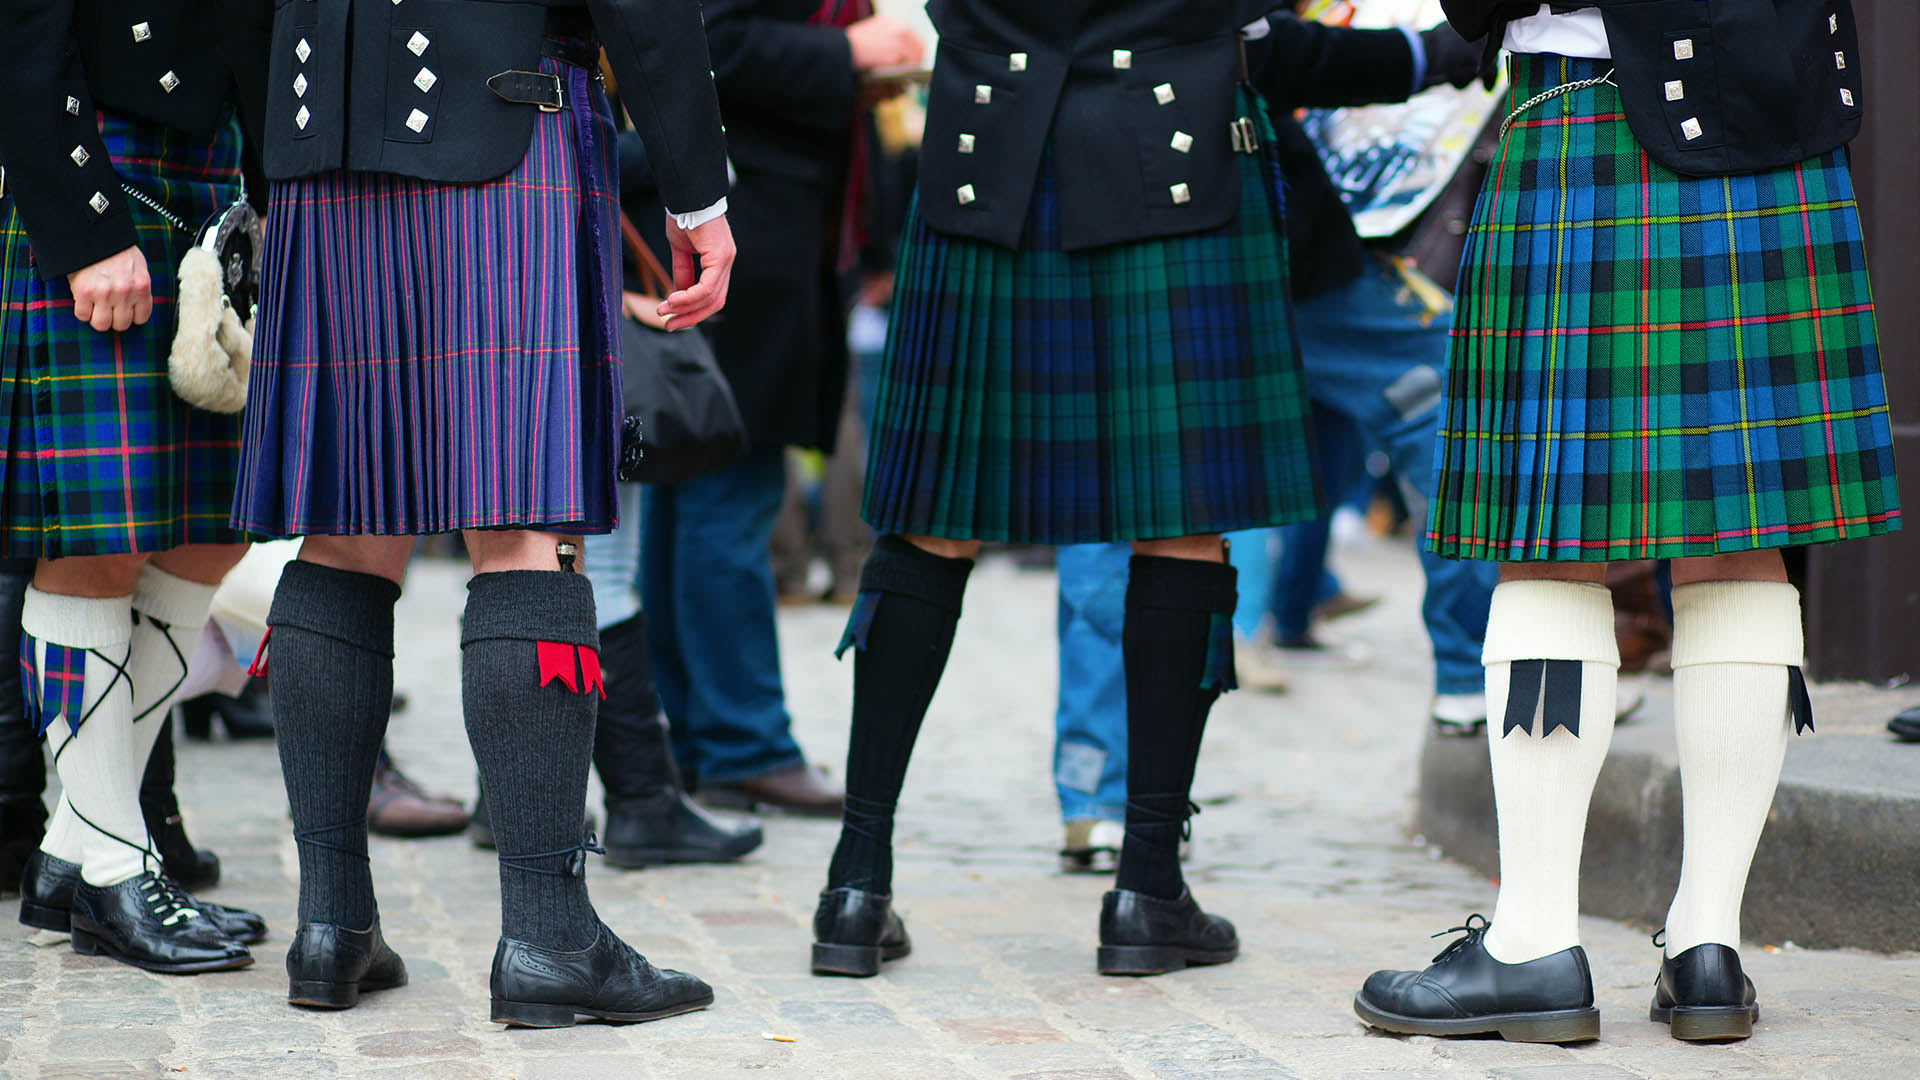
x,y
537,88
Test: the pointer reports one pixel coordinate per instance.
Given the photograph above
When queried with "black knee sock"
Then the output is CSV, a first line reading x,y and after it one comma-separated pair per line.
x,y
330,661
630,748
1178,647
902,628
530,678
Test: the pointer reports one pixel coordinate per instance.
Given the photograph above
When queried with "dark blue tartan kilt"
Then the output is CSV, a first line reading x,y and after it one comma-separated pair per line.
x,y
436,356
1140,391
101,457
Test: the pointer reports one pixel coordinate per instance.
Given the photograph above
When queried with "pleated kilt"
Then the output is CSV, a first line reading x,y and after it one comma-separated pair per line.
x,y
101,458
1140,391
1650,365
438,356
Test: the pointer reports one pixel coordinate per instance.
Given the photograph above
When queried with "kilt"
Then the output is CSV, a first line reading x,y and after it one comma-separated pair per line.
x,y
101,458
1134,392
439,356
1649,365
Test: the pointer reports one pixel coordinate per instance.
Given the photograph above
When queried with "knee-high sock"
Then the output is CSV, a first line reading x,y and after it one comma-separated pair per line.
x,y
1552,676
330,664
531,683
80,662
1733,643
1177,645
169,612
902,630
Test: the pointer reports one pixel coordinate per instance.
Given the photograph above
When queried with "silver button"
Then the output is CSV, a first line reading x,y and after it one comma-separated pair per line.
x,y
1182,141
142,31
1676,90
98,202
73,105
300,118
966,143
417,120
1683,49
1690,127
425,79
303,50
1840,61
1163,93
418,43
169,81
1180,194
964,194
80,156
1833,24
1017,62
300,85
982,94
1846,96
1122,59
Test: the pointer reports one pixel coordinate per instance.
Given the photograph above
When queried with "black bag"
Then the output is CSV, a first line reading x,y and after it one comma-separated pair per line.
x,y
682,421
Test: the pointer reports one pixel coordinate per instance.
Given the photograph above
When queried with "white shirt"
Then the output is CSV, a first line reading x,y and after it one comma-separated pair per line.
x,y
1577,33
701,217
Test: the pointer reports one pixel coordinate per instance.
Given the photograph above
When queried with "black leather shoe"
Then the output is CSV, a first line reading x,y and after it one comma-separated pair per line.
x,y
1704,996
1468,992
329,967
547,988
192,868
46,901
148,922
650,820
249,716
1146,935
22,826
1906,726
854,930
669,828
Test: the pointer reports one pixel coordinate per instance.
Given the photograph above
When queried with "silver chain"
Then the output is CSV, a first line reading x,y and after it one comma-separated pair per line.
x,y
153,204
1543,98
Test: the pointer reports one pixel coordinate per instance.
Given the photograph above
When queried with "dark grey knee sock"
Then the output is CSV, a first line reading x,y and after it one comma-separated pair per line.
x,y
531,682
330,660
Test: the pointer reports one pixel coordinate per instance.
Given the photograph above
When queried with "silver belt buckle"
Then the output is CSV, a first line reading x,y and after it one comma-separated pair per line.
x,y
559,93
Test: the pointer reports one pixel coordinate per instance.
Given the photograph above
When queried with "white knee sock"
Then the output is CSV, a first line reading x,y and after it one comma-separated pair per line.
x,y
1733,642
95,763
1543,781
169,613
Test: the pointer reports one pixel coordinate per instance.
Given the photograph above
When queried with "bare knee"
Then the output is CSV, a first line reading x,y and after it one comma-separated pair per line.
x,y
1733,566
378,556
92,576
945,548
204,563
1194,548
1590,573
493,551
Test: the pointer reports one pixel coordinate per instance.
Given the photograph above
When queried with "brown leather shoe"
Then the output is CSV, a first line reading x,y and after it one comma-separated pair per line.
x,y
398,806
803,789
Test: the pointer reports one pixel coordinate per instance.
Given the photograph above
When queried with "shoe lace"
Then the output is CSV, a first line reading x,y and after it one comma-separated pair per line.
x,y
169,902
1474,929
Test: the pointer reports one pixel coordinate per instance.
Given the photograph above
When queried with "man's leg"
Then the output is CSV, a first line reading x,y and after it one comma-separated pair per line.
x,y
23,768
1090,717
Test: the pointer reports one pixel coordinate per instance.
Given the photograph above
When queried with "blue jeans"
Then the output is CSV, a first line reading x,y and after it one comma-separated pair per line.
x,y
707,581
1301,581
1090,722
613,563
1371,353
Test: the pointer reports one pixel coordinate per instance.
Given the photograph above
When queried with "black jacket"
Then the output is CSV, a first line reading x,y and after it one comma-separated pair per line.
x,y
1722,88
1136,96
182,64
346,79
1304,64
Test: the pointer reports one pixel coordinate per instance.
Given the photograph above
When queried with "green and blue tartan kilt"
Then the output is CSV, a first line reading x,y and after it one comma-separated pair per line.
x,y
1133,392
1649,365
101,457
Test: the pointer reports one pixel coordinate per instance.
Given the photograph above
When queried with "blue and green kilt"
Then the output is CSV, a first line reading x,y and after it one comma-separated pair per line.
x,y
1134,392
439,356
101,458
1650,365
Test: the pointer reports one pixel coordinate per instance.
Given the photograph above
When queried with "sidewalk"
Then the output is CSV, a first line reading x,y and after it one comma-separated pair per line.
x,y
1303,843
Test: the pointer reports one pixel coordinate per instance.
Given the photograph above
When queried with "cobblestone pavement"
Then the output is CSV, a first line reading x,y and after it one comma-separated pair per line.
x,y
1302,843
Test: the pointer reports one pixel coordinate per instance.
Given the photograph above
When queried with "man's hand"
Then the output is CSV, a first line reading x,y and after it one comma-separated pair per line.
x,y
702,268
1451,59
114,293
881,42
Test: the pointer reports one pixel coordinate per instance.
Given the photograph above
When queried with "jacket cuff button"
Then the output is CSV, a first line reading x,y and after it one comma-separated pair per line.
x,y
965,194
98,202
1181,194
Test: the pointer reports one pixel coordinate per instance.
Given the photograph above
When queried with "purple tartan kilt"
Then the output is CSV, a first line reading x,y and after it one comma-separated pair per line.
x,y
437,356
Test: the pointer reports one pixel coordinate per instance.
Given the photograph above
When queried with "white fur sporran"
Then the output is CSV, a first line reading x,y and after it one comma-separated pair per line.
x,y
217,280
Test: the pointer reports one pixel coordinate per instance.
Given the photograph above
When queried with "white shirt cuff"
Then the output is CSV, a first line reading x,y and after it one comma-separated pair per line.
x,y
700,217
